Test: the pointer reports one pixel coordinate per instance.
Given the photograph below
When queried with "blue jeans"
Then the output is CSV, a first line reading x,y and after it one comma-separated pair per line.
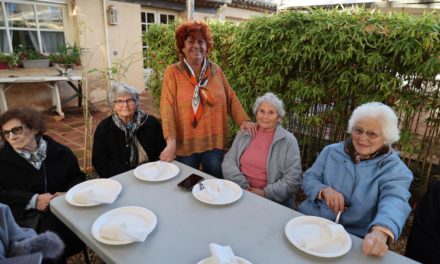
x,y
211,161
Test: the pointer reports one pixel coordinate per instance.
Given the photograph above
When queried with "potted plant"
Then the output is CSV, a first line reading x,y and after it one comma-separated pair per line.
x,y
32,58
4,61
66,57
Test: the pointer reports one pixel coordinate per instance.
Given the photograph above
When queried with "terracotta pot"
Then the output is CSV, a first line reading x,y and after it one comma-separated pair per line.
x,y
4,66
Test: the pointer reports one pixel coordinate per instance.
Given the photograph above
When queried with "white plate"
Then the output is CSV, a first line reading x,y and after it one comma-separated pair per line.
x,y
303,226
231,192
210,260
104,185
168,172
130,215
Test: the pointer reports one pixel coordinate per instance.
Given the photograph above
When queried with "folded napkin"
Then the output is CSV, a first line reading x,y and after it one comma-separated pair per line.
x,y
95,195
222,254
155,170
212,190
326,234
122,232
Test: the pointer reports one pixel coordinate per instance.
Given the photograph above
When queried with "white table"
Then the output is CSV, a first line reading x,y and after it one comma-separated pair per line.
x,y
252,226
48,76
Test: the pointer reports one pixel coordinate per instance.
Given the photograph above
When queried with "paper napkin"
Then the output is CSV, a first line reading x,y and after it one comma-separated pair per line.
x,y
122,232
155,170
222,254
327,233
212,190
94,195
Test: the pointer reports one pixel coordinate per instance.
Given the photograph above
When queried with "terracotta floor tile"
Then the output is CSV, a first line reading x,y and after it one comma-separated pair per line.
x,y
79,140
77,124
54,125
62,129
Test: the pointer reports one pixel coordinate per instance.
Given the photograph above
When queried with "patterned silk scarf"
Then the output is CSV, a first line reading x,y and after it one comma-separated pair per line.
x,y
130,132
36,157
201,95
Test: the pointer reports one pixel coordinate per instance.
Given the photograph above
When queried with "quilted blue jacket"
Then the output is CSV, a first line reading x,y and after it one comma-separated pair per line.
x,y
375,191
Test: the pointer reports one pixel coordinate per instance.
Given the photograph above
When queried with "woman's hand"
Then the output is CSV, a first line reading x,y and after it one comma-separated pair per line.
x,y
249,126
58,194
375,243
334,199
169,152
43,201
258,191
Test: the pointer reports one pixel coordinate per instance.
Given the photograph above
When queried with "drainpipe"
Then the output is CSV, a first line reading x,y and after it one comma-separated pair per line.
x,y
107,42
189,9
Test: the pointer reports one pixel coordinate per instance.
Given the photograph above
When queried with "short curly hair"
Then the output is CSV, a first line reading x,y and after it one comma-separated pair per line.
x,y
31,118
190,29
382,113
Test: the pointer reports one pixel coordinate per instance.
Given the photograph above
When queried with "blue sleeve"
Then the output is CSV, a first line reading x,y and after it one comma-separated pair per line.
x,y
314,177
393,208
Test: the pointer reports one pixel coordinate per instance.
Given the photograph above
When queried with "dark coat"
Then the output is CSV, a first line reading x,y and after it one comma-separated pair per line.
x,y
19,180
424,238
111,151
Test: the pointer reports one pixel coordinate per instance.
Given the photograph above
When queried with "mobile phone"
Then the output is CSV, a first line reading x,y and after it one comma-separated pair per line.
x,y
188,183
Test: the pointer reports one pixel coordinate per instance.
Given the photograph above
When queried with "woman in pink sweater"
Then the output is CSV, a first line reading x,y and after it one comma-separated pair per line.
x,y
267,164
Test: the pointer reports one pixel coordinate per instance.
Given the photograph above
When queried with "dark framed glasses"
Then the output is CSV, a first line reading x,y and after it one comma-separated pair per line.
x,y
18,130
370,134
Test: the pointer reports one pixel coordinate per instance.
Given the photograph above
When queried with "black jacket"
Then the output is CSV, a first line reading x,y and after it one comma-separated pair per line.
x,y
19,180
111,152
423,242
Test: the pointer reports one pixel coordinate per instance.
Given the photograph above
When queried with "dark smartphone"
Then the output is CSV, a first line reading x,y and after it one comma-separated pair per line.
x,y
188,183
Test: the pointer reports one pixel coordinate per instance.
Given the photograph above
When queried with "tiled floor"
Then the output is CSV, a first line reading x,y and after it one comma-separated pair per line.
x,y
71,130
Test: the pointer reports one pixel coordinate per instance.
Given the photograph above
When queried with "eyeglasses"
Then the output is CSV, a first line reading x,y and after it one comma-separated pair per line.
x,y
18,130
119,102
370,134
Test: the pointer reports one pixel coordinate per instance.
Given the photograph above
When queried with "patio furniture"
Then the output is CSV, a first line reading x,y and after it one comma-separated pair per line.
x,y
253,226
48,76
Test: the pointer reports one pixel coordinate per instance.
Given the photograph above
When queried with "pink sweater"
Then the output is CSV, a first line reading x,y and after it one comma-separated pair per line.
x,y
254,159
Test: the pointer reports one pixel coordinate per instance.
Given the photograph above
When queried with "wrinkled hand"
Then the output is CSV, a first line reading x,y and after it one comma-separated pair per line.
x,y
375,244
43,201
258,191
169,152
249,126
334,199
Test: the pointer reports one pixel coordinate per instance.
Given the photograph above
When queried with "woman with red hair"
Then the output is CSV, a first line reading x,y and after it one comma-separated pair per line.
x,y
195,102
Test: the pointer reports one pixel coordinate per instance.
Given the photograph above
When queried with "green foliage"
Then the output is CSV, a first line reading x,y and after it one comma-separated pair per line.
x,y
325,63
28,54
4,58
67,54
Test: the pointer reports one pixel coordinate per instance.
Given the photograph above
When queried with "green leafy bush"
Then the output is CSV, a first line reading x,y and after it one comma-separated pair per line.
x,y
67,54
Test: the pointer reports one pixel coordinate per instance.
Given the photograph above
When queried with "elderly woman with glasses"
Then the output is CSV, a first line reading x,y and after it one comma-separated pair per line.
x,y
267,164
363,179
126,138
34,170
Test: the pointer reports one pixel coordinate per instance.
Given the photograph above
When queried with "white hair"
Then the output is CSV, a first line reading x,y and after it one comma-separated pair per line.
x,y
271,99
119,89
381,112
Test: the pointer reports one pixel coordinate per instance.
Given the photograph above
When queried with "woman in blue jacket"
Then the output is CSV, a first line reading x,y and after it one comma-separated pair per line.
x,y
364,179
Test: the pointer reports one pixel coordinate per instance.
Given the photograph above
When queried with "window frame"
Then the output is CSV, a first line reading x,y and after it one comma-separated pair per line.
x,y
157,14
8,28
